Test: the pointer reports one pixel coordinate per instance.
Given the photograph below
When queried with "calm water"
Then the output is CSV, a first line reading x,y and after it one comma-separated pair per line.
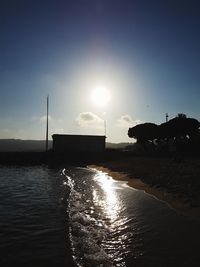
x,y
80,217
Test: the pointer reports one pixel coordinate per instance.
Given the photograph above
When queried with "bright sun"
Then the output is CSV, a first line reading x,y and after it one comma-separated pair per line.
x,y
100,96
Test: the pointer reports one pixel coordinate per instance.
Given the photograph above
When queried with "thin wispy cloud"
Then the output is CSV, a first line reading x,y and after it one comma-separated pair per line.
x,y
6,133
44,118
58,131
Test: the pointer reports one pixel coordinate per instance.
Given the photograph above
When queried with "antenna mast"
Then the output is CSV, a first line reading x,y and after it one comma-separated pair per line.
x,y
105,127
167,116
47,126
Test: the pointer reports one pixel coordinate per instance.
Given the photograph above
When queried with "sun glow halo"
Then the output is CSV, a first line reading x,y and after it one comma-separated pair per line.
x,y
100,96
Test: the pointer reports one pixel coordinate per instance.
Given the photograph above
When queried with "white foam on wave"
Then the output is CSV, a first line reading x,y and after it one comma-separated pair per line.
x,y
86,232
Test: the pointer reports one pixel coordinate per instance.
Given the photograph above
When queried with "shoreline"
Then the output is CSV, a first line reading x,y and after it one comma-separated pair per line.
x,y
176,202
26,158
176,183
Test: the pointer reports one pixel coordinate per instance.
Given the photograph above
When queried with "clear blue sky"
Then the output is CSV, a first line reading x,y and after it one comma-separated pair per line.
x,y
146,53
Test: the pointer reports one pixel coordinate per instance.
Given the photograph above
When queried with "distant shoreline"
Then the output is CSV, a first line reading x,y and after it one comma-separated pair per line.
x,y
177,184
51,158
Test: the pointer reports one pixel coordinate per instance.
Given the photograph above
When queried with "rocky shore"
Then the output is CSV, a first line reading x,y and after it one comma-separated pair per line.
x,y
177,183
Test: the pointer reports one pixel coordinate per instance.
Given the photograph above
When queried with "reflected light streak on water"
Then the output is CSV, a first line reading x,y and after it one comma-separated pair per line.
x,y
110,203
117,221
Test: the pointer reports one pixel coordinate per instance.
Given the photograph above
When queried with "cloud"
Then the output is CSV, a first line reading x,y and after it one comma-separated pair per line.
x,y
44,118
6,133
58,131
125,121
54,122
89,119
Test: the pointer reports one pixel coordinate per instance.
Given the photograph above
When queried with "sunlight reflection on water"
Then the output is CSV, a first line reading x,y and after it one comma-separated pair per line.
x,y
110,204
107,198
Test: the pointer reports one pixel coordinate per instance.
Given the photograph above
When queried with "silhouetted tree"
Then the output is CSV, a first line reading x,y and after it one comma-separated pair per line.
x,y
181,115
179,126
180,130
144,132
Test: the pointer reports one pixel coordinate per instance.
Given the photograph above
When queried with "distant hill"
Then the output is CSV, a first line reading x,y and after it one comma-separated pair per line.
x,y
118,145
13,145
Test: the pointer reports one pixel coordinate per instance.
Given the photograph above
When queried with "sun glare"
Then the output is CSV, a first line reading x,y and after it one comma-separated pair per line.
x,y
100,96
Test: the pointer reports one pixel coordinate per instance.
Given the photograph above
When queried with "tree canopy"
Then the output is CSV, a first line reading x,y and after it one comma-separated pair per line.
x,y
174,128
143,132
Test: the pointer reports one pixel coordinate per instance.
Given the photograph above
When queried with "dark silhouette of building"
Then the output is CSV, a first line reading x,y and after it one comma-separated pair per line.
x,y
63,143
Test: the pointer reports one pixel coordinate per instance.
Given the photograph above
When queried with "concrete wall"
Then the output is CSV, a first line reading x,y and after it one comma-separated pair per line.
x,y
78,143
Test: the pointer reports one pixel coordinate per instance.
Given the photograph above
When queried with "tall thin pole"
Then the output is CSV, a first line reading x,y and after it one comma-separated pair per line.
x,y
167,116
47,126
105,127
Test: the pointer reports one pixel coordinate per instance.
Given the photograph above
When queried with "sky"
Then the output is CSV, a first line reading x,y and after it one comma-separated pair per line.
x,y
145,54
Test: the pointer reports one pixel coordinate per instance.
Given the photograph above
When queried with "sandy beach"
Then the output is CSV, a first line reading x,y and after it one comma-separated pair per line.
x,y
178,184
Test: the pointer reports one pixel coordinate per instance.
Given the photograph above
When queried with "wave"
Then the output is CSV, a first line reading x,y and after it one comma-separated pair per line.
x,y
87,232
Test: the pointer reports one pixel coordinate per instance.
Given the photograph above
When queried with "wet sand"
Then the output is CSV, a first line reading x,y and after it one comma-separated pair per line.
x,y
178,184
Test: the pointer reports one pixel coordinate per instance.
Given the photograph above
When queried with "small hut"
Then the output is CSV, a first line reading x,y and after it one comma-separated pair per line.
x,y
63,143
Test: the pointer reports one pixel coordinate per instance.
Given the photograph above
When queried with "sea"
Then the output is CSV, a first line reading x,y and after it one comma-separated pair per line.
x,y
74,216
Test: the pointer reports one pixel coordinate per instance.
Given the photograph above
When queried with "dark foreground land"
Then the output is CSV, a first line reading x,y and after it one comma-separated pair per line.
x,y
175,182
